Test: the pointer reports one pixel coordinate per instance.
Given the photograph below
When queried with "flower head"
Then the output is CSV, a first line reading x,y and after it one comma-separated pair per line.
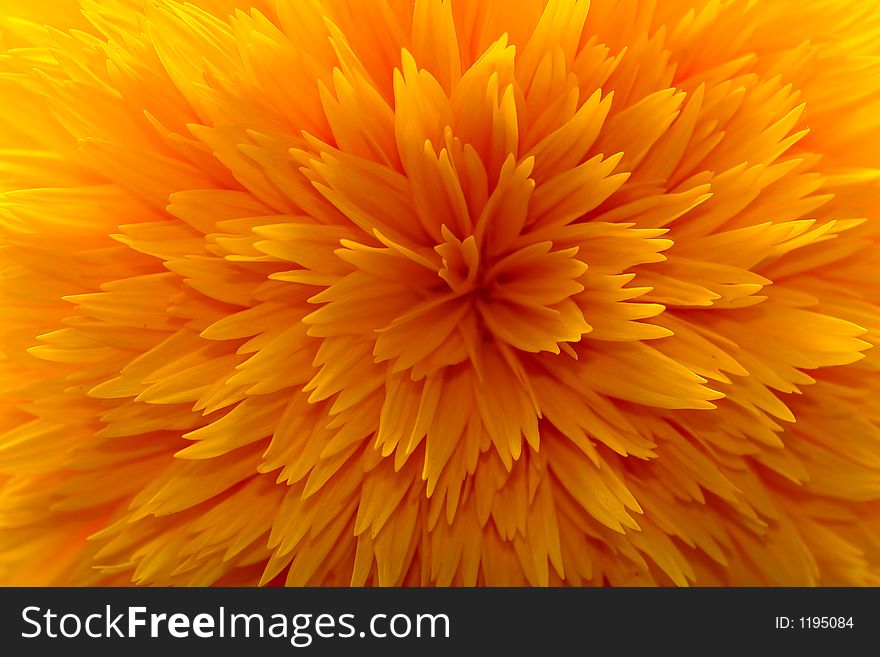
x,y
444,292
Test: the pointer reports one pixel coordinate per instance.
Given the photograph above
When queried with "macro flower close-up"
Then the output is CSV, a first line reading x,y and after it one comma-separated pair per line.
x,y
440,293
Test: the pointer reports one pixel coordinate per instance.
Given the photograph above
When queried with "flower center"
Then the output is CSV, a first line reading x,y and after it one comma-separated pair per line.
x,y
461,263
523,297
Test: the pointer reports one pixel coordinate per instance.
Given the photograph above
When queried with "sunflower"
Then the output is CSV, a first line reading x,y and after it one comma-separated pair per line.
x,y
508,292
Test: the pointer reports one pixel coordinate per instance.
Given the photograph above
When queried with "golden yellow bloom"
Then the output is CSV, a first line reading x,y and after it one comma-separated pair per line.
x,y
503,292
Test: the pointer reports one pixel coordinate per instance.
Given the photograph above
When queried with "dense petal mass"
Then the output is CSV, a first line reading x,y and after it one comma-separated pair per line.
x,y
525,292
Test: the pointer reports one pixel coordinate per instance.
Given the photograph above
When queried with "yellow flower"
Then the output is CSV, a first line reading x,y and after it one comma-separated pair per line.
x,y
440,293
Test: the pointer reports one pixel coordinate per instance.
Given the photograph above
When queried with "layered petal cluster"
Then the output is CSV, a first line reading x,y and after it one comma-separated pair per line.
x,y
508,292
